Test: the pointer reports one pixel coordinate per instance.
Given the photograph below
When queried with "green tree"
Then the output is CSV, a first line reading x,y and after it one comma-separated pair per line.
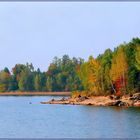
x,y
105,61
49,84
137,57
37,83
5,78
26,82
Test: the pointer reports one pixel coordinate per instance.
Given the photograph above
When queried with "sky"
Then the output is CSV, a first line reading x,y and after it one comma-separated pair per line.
x,y
38,31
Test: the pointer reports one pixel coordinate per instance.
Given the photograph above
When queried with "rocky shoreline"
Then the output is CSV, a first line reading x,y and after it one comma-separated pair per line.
x,y
126,101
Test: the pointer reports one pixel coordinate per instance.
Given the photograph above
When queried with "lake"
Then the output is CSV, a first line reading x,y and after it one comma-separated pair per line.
x,y
25,117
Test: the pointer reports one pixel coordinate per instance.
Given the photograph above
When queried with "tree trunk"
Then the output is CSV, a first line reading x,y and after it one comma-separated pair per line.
x,y
112,86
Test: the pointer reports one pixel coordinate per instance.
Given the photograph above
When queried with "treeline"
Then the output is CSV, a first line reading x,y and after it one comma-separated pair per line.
x,y
60,76
113,72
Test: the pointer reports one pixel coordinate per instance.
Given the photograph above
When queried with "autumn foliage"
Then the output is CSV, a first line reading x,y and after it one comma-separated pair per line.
x,y
113,72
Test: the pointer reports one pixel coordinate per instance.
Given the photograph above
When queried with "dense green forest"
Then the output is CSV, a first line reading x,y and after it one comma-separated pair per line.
x,y
60,76
113,72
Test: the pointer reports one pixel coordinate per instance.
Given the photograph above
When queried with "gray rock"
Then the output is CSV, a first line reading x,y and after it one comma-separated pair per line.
x,y
120,103
82,98
135,97
114,97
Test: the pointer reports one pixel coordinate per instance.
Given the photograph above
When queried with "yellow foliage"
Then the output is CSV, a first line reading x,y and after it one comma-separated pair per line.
x,y
90,75
119,65
94,76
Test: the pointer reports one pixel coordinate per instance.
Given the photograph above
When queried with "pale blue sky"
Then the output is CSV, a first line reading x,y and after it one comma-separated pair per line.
x,y
37,31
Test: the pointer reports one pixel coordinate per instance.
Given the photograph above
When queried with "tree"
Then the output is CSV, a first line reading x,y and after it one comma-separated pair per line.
x,y
90,76
37,82
94,76
26,82
63,74
119,70
133,72
17,69
13,85
5,78
105,62
137,57
49,84
82,72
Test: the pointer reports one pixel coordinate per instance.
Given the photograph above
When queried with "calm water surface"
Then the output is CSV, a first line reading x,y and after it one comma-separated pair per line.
x,y
20,119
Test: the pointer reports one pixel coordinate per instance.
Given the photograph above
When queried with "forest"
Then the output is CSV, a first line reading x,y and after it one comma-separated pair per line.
x,y
113,72
60,76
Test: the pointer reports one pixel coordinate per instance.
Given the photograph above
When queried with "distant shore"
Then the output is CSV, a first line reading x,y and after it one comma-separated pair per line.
x,y
35,93
126,101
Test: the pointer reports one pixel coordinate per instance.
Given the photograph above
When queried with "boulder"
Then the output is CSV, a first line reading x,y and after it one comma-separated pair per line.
x,y
111,97
117,97
135,97
120,103
114,97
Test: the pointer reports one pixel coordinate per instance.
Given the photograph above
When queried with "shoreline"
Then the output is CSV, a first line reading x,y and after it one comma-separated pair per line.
x,y
110,100
35,93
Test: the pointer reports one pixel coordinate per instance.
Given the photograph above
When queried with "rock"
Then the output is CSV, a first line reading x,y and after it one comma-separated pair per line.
x,y
117,97
135,97
111,97
43,102
79,96
109,104
63,99
120,103
137,104
136,94
131,98
114,97
87,97
65,103
131,95
82,98
52,100
116,103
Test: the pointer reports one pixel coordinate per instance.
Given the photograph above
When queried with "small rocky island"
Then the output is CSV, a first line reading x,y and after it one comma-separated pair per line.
x,y
110,100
